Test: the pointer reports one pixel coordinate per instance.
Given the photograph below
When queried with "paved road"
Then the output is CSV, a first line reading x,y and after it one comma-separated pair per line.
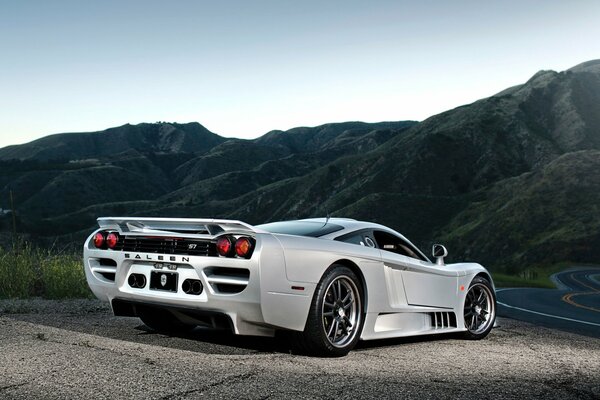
x,y
77,349
574,306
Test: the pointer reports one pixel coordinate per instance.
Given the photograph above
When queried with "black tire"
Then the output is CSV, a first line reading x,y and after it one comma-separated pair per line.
x,y
337,306
162,321
479,309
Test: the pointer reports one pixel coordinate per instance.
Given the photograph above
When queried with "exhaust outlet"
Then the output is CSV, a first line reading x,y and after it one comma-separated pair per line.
x,y
137,281
192,286
132,281
186,286
197,287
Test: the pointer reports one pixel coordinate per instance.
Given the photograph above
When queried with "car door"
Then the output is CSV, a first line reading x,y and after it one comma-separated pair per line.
x,y
422,282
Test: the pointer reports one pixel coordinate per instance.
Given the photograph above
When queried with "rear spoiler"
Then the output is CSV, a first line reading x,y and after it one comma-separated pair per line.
x,y
180,227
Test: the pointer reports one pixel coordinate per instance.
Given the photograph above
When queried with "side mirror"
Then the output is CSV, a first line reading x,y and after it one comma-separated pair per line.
x,y
439,252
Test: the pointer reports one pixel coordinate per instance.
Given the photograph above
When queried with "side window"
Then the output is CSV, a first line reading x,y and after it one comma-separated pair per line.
x,y
387,241
361,238
354,238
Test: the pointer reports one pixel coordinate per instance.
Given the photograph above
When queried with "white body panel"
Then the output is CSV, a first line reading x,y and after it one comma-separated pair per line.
x,y
404,296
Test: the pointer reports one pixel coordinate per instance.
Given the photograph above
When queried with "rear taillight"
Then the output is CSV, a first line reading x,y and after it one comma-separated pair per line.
x,y
224,246
99,240
229,246
112,239
243,247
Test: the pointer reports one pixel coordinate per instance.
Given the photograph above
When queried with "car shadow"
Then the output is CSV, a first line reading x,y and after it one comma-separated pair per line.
x,y
222,338
392,342
199,339
282,343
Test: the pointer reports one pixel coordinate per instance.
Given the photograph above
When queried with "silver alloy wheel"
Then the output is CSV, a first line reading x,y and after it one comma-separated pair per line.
x,y
341,311
479,310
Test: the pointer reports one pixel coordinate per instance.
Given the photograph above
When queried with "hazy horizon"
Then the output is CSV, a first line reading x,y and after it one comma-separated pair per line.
x,y
242,69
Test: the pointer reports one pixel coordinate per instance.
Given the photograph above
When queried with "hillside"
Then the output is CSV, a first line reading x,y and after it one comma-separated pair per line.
x,y
510,180
146,138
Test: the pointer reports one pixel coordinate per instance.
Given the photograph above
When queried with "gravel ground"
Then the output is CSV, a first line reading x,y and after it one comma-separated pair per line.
x,y
75,349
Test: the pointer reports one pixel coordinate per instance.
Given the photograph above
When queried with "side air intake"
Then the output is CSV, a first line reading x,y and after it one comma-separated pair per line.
x,y
227,280
443,320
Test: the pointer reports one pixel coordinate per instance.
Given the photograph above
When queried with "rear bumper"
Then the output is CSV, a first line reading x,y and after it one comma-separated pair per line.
x,y
231,287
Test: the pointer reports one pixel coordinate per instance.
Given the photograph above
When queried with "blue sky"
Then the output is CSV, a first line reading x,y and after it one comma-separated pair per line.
x,y
242,68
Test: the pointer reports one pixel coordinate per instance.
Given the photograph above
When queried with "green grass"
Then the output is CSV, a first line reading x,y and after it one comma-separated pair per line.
x,y
537,276
504,280
26,271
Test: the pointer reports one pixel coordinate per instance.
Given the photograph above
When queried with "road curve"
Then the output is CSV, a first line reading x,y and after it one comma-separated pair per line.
x,y
574,306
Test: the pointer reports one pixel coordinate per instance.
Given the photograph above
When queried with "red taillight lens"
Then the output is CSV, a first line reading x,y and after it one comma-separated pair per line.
x,y
98,240
243,247
111,240
224,246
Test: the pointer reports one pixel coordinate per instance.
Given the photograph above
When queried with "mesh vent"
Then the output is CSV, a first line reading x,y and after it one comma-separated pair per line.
x,y
191,247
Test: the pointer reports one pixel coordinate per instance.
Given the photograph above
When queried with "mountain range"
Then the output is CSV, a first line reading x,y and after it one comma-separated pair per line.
x,y
512,180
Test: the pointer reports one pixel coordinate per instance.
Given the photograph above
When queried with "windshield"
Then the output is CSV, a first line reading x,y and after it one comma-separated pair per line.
x,y
301,228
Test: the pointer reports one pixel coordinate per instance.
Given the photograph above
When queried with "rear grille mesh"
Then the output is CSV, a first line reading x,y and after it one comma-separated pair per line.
x,y
183,246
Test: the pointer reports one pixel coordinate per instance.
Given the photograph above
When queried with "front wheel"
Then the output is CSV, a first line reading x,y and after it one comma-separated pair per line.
x,y
479,309
335,318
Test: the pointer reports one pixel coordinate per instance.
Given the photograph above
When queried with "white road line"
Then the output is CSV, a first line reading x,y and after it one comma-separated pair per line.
x,y
556,280
548,315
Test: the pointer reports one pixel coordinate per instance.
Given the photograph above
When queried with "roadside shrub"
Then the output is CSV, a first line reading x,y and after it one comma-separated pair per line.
x,y
63,277
26,271
17,273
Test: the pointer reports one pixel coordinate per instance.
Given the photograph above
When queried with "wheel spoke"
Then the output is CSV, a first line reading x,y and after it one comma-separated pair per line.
x,y
480,298
331,327
327,304
328,314
339,289
335,329
348,295
334,292
347,306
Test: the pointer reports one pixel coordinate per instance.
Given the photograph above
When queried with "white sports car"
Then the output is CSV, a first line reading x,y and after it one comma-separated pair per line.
x,y
330,282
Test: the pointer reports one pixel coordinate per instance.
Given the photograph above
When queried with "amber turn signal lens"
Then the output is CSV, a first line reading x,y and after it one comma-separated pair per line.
x,y
243,246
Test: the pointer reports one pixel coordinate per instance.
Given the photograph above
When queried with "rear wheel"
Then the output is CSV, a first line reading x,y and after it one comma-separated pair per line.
x,y
336,316
479,309
162,321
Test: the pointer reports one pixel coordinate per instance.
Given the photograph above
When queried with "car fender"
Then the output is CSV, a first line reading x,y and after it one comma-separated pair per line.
x,y
284,303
